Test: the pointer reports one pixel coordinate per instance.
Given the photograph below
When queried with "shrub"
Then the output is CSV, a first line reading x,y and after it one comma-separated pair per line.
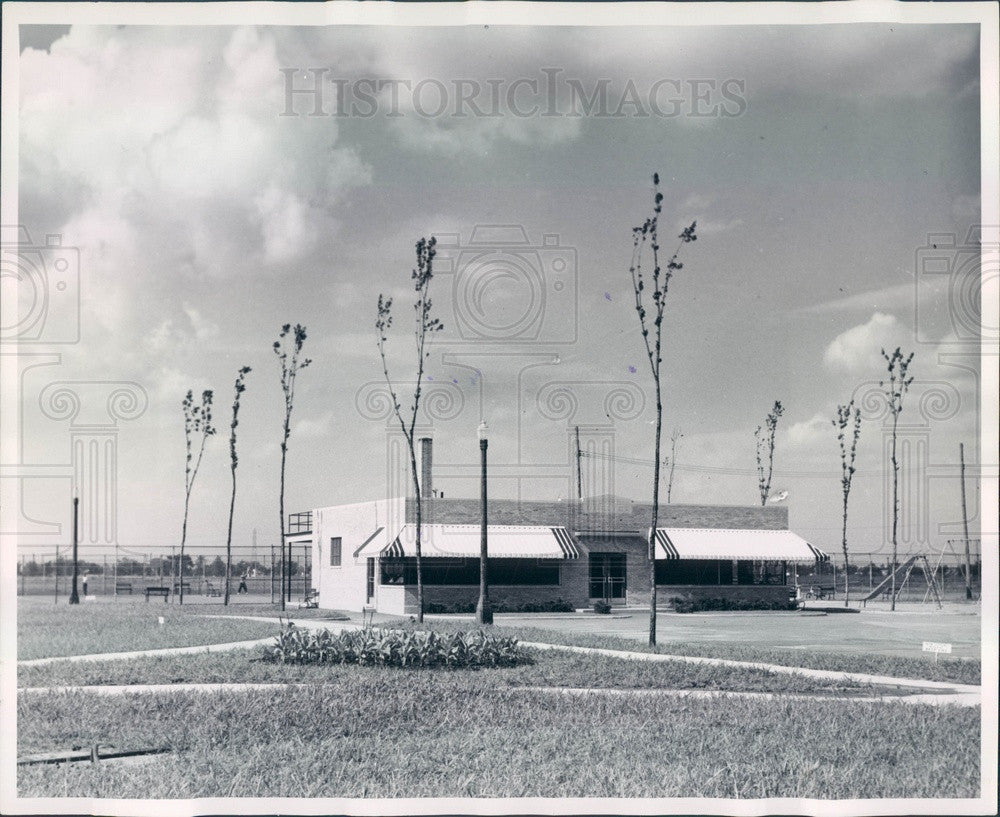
x,y
394,648
602,608
708,603
551,606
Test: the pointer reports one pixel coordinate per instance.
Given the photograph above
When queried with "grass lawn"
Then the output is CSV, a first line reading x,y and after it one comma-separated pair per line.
x,y
964,671
45,629
413,734
548,669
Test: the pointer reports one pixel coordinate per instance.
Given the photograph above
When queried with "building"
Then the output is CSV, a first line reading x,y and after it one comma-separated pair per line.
x,y
579,552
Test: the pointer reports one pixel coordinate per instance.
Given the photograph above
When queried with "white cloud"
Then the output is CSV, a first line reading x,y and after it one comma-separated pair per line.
x,y
806,433
312,428
858,350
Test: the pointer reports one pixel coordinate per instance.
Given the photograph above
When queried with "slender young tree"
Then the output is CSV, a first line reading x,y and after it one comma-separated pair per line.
x,y
848,417
650,300
896,386
233,462
197,424
765,443
675,435
291,365
425,325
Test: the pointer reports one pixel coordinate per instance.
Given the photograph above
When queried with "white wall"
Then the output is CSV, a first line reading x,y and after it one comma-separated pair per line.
x,y
345,587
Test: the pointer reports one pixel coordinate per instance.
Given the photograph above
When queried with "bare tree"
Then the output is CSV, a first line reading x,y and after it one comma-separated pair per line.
x,y
425,325
847,417
291,365
675,435
233,462
895,387
651,327
197,421
765,442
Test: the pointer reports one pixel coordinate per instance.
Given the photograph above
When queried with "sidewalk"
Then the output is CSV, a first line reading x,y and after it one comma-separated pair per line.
x,y
935,688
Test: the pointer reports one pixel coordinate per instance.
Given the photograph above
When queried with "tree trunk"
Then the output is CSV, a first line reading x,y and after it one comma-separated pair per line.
x,y
420,565
656,510
229,541
847,580
281,512
184,527
895,508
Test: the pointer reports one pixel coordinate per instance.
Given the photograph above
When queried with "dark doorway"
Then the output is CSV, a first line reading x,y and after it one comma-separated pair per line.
x,y
607,576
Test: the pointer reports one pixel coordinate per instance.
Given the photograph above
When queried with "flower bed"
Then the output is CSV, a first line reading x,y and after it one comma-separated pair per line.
x,y
394,648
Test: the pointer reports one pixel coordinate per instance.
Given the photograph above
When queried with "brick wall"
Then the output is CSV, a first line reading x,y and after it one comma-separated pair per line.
x,y
621,517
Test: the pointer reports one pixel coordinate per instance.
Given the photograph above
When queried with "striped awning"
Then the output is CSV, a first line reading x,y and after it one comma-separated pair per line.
x,y
503,541
727,543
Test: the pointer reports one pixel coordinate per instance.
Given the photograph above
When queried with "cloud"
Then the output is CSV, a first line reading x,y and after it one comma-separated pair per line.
x,y
858,350
806,433
313,428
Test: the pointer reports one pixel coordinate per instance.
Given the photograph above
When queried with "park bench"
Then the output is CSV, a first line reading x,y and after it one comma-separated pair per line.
x,y
123,587
820,591
212,590
177,587
158,591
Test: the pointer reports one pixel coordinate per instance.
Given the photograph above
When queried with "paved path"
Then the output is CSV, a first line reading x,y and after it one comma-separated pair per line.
x,y
939,691
934,699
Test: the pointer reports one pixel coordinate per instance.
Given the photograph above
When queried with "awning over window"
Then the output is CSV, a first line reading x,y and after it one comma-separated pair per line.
x,y
727,543
460,541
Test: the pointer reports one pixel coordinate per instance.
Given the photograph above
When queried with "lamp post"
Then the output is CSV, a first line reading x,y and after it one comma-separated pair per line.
x,y
484,614
74,597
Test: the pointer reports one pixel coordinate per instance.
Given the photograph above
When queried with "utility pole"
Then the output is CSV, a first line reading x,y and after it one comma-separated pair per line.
x,y
965,526
74,597
579,477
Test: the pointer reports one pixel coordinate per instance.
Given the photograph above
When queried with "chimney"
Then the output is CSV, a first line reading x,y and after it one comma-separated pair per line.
x,y
426,461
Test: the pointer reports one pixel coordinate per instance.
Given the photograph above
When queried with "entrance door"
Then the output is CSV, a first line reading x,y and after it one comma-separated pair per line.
x,y
607,576
371,580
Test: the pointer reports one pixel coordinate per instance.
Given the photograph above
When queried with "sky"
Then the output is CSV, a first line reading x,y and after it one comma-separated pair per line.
x,y
208,210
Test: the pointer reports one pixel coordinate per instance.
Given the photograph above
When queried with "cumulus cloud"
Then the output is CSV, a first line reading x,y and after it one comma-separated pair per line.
x,y
858,350
808,432
180,149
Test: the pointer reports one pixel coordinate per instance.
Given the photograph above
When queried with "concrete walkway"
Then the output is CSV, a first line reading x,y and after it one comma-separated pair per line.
x,y
933,699
940,691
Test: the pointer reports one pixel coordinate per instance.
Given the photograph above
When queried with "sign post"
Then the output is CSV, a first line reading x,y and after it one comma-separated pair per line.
x,y
937,647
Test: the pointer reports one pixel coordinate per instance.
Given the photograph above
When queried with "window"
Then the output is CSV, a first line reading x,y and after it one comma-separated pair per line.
x,y
440,571
335,543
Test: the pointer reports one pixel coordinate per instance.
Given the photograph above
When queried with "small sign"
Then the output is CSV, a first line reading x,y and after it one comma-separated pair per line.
x,y
936,646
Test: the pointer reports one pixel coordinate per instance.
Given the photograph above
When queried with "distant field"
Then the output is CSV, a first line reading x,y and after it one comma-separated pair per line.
x,y
872,631
453,734
45,629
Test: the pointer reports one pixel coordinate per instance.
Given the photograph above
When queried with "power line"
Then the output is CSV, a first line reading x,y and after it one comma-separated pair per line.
x,y
729,471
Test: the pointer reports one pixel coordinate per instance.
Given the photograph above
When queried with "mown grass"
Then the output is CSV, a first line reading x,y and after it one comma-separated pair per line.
x,y
963,671
548,668
45,630
421,734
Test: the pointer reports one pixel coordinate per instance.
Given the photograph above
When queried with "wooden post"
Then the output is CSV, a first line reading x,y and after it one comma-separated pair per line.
x,y
965,527
116,572
56,598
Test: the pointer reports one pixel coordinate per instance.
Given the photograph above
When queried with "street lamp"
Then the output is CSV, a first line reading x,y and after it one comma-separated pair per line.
x,y
484,614
74,597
